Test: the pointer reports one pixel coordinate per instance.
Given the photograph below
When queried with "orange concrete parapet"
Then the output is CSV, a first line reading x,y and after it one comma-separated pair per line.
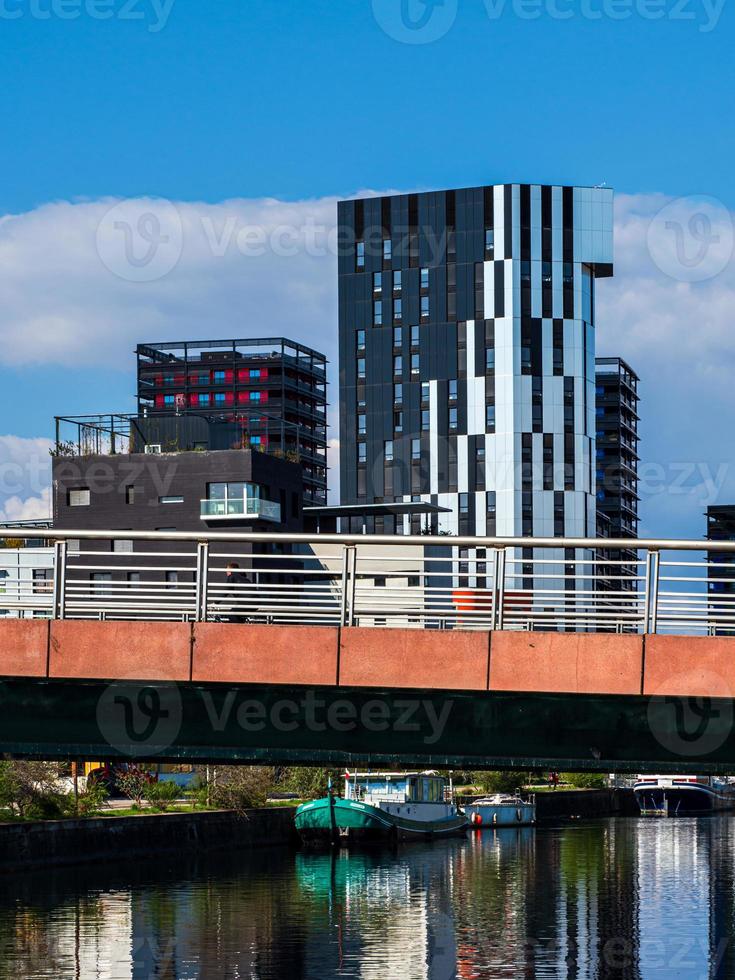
x,y
690,666
124,651
234,653
576,663
448,660
24,647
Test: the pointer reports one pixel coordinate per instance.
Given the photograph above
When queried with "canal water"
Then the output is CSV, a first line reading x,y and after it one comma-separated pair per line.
x,y
626,898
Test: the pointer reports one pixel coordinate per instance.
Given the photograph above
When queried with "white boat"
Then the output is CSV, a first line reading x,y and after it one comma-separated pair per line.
x,y
501,810
672,796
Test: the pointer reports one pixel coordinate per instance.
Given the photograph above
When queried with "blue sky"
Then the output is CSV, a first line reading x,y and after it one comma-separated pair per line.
x,y
217,106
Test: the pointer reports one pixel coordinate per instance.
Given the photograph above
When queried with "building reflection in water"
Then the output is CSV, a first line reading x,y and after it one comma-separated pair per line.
x,y
630,899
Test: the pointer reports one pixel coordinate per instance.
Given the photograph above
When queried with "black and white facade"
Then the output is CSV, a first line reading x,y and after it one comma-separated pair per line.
x,y
467,355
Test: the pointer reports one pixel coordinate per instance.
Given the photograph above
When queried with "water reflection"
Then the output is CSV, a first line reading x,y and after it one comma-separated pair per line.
x,y
620,898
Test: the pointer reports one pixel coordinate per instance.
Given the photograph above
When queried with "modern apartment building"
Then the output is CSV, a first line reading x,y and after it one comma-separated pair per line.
x,y
721,527
617,461
467,346
268,393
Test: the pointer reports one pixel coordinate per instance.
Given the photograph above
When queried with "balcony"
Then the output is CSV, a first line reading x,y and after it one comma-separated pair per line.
x,y
244,509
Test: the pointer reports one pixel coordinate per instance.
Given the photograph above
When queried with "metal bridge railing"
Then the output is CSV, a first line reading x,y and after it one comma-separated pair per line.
x,y
431,582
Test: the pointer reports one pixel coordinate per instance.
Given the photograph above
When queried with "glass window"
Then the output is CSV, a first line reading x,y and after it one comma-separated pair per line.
x,y
377,282
129,495
362,453
397,309
398,421
254,396
360,255
169,400
79,498
424,278
397,336
398,364
414,336
122,545
453,418
387,249
361,340
425,391
254,372
453,388
490,418
172,579
425,307
415,449
204,398
415,364
425,420
219,398
389,450
489,241
98,580
171,499
168,379
378,312
361,367
219,377
361,424
398,394
490,359
397,281
464,503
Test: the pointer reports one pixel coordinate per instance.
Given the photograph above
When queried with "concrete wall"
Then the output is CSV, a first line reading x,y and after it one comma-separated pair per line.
x,y
25,845
575,663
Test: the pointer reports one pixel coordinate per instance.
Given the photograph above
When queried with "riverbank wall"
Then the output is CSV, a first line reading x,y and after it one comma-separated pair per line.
x,y
574,804
59,842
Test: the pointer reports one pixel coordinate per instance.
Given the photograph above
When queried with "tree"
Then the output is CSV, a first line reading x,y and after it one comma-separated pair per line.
x,y
239,787
133,783
33,790
310,783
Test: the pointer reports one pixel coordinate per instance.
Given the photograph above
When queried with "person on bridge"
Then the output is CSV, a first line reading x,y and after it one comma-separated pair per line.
x,y
235,594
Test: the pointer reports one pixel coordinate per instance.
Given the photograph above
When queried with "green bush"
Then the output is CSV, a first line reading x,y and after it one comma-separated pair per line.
x,y
92,799
162,794
584,780
505,781
310,782
238,787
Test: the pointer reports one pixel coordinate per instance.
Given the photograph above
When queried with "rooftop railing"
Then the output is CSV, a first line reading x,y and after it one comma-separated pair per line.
x,y
428,582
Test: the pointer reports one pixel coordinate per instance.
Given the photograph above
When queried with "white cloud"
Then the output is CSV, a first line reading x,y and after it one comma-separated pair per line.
x,y
25,476
72,294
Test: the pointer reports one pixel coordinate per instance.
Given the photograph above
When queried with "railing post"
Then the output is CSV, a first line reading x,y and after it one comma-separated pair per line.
x,y
650,622
352,588
59,610
345,580
499,556
202,581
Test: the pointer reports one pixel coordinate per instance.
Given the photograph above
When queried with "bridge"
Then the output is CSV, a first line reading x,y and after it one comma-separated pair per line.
x,y
462,653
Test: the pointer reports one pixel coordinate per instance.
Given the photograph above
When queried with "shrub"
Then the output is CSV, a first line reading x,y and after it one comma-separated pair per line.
x,y
133,782
162,794
584,780
92,799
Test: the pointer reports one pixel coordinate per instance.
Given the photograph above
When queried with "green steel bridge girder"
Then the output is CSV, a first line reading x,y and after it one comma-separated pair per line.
x,y
342,726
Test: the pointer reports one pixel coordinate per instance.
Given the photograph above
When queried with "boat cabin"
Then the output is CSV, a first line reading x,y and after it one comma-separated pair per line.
x,y
375,788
